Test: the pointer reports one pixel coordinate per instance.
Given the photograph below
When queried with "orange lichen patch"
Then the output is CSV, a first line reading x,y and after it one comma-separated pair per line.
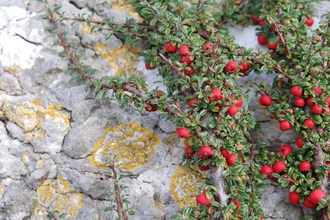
x,y
125,6
85,28
184,185
133,144
59,196
122,60
1,190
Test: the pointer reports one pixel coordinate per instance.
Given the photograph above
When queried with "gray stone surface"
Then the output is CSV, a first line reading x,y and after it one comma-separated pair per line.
x,y
49,126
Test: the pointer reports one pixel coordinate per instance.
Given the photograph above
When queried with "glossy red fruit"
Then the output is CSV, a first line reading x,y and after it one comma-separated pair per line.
x,y
204,152
317,91
267,170
266,100
231,160
186,59
149,67
233,110
317,109
296,90
285,125
309,20
192,101
239,102
299,102
294,197
170,48
309,123
262,38
225,153
279,166
183,132
151,107
202,199
207,48
244,67
216,95
272,46
285,150
189,71
304,166
308,204
300,142
231,67
315,196
160,92
254,18
272,28
310,102
184,50
189,152
327,100
237,204
262,23
204,168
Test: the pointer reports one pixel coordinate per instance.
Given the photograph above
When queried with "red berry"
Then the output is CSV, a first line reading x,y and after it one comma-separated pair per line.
x,y
315,196
316,109
272,46
309,20
232,110
204,152
237,204
202,199
299,102
300,142
160,92
170,48
182,132
294,197
184,50
262,38
225,153
266,100
272,28
318,91
204,168
267,170
278,167
186,59
308,204
192,101
151,107
216,95
296,90
310,102
254,18
190,71
327,100
244,67
189,152
148,66
309,123
231,67
239,102
207,48
304,166
262,23
231,160
285,150
285,125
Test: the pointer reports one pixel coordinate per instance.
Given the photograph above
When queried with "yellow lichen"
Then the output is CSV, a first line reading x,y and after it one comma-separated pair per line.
x,y
13,69
0,189
87,30
58,193
25,156
183,186
40,163
133,144
124,5
122,60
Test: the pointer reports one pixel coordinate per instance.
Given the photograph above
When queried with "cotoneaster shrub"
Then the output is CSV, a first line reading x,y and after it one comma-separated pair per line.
x,y
200,64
